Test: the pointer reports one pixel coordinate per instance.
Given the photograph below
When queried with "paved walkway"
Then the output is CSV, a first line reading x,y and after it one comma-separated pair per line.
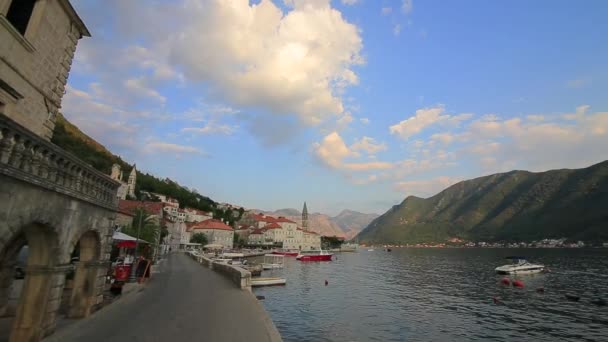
x,y
185,302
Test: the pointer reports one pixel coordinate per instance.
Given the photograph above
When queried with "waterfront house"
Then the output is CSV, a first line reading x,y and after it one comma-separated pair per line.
x,y
217,232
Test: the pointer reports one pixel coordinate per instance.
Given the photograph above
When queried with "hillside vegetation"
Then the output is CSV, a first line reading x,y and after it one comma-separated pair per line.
x,y
512,206
72,139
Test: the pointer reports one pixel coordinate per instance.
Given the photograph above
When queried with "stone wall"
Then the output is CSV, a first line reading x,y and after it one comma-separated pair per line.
x,y
37,64
239,276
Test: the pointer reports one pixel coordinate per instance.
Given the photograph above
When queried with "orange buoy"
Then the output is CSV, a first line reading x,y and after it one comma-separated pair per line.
x,y
506,281
518,283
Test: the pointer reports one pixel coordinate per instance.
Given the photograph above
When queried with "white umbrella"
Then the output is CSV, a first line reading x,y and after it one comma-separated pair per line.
x,y
119,236
213,246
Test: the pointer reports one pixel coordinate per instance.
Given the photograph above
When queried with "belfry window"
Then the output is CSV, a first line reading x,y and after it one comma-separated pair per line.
x,y
19,14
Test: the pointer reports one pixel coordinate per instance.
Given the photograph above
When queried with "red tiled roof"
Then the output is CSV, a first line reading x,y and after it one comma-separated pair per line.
x,y
272,226
310,232
258,231
282,219
211,224
130,207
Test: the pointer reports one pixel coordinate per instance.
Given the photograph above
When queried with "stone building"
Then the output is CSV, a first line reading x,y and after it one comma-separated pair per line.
x,y
38,41
217,232
126,188
53,203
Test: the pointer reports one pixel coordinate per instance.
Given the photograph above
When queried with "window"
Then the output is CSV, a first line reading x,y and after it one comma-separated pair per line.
x,y
19,14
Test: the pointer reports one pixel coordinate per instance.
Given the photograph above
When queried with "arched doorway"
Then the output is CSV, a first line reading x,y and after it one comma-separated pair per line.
x,y
82,297
32,315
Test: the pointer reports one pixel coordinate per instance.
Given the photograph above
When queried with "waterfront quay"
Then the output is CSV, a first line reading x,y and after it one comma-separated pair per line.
x,y
185,302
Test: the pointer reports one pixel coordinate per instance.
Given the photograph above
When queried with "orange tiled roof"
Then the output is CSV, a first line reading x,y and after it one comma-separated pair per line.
x,y
211,224
272,225
130,207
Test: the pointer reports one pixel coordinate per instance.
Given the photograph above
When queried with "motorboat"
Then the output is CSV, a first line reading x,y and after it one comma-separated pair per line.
x,y
272,261
255,282
285,252
318,255
519,265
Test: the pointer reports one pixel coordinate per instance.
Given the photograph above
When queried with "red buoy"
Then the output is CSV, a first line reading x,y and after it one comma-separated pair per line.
x,y
506,281
518,283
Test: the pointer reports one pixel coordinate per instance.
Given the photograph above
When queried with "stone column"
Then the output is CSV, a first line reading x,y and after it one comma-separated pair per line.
x,y
87,292
6,279
37,308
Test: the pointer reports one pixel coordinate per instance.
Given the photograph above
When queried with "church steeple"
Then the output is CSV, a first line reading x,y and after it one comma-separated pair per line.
x,y
132,181
305,217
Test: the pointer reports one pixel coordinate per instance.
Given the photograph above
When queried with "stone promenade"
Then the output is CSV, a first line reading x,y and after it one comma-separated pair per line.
x,y
185,302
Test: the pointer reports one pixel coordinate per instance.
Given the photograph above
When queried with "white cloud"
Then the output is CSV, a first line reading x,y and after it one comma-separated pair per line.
x,y
165,147
423,118
332,151
137,86
368,145
425,188
211,127
386,10
397,29
407,6
256,55
364,121
349,2
578,83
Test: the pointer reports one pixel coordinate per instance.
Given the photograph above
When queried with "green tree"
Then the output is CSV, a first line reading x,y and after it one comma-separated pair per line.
x,y
199,238
238,241
150,231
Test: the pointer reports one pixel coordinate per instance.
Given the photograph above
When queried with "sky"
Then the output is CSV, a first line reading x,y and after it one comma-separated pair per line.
x,y
343,104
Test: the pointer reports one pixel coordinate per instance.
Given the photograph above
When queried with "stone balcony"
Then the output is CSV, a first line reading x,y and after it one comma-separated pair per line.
x,y
29,158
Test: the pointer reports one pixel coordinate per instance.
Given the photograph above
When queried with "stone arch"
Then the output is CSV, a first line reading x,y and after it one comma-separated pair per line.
x,y
35,302
83,296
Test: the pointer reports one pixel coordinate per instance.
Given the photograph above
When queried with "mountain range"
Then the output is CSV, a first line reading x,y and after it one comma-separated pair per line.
x,y
347,224
511,206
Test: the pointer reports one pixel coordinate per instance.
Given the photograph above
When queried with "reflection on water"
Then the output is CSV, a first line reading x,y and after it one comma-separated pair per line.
x,y
440,295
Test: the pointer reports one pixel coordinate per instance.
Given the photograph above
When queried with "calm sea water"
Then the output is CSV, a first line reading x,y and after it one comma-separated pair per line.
x,y
440,295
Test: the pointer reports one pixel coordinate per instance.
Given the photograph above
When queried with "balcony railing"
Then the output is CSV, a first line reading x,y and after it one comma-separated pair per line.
x,y
28,157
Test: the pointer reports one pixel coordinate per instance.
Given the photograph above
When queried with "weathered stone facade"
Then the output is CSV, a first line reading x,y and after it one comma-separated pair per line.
x,y
52,202
34,66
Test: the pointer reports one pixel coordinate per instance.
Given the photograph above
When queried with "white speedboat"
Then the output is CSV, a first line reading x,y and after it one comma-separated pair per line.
x,y
520,266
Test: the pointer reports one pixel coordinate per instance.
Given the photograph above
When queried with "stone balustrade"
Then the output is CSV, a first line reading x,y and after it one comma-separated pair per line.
x,y
26,156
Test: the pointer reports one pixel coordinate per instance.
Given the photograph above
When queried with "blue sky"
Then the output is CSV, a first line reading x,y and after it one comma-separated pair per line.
x,y
343,104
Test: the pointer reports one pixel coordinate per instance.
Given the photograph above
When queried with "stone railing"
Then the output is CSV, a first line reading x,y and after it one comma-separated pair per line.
x,y
28,157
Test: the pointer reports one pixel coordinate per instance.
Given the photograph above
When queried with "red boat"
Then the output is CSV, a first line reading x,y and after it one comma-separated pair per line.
x,y
319,255
285,253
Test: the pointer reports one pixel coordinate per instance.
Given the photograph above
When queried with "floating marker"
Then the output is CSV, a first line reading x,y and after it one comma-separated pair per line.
x,y
326,282
540,290
518,283
506,281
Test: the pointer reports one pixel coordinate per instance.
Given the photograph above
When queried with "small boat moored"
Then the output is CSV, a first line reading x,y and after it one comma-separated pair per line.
x,y
319,255
285,252
519,266
255,282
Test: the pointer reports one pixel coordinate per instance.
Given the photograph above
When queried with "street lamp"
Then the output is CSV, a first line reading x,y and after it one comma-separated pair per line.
x,y
133,275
